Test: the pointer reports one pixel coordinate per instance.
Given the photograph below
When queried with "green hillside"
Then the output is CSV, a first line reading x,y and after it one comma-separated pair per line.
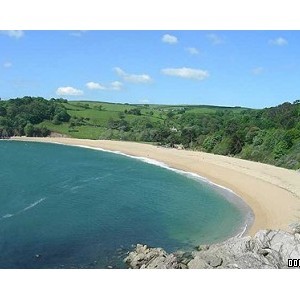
x,y
270,135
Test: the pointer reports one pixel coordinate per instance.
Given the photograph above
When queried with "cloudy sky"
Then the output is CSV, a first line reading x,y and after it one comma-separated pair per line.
x,y
235,68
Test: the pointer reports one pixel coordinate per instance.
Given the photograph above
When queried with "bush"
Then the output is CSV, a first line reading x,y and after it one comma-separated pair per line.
x,y
29,129
222,148
211,141
280,149
56,120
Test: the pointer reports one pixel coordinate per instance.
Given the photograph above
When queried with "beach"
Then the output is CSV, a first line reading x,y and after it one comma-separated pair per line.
x,y
272,193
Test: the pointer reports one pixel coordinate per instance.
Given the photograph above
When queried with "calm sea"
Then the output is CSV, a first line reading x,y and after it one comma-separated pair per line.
x,y
70,207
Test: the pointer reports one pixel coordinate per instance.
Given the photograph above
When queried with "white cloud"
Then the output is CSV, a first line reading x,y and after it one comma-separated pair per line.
x,y
133,78
186,73
7,64
119,71
257,71
95,86
115,86
278,41
215,39
192,50
13,33
170,39
68,91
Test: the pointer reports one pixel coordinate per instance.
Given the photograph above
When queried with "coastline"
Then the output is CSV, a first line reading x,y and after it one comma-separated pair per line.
x,y
227,193
272,193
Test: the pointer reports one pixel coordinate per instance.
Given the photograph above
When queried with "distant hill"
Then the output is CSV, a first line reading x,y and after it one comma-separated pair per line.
x,y
270,135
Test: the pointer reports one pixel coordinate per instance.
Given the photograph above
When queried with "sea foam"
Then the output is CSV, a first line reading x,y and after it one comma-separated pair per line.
x,y
24,209
33,204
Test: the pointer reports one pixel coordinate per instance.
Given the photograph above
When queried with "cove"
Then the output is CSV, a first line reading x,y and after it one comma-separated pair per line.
x,y
70,207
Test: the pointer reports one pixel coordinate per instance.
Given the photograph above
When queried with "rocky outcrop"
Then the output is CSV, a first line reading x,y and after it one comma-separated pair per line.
x,y
151,258
268,249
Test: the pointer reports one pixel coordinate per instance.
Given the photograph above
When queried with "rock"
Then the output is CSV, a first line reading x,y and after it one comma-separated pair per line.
x,y
140,256
185,261
151,258
162,262
183,257
250,261
202,247
182,266
232,266
141,248
198,263
296,228
180,253
264,252
267,249
280,244
215,261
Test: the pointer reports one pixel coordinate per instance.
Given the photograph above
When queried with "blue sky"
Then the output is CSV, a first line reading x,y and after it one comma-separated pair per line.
x,y
232,68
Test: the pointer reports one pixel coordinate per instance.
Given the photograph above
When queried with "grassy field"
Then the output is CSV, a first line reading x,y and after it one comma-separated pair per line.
x,y
96,116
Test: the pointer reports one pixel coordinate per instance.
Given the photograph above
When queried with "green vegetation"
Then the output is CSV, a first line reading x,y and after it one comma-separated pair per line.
x,y
270,135
21,116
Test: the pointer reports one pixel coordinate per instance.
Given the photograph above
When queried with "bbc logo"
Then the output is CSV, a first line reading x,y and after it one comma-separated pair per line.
x,y
293,263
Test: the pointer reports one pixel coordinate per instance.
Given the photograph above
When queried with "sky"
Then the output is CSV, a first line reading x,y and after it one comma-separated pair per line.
x,y
244,68
228,68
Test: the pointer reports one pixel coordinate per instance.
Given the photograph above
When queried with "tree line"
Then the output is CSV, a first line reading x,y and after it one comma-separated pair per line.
x,y
21,116
270,135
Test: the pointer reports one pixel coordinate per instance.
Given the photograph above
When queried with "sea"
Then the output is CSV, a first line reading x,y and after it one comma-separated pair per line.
x,y
72,207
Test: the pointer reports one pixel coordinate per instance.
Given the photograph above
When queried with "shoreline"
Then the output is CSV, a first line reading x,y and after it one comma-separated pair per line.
x,y
227,193
272,193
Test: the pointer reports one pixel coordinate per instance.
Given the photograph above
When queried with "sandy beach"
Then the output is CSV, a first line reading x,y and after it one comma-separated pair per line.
x,y
273,193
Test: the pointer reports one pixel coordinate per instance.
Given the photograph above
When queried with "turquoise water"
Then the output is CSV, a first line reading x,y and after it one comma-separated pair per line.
x,y
70,207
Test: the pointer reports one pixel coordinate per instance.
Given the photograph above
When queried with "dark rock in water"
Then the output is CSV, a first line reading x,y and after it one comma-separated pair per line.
x,y
268,249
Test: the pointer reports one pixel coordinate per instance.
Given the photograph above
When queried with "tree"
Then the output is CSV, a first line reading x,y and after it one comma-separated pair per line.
x,y
134,111
29,130
188,134
170,114
236,144
61,116
44,131
2,111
